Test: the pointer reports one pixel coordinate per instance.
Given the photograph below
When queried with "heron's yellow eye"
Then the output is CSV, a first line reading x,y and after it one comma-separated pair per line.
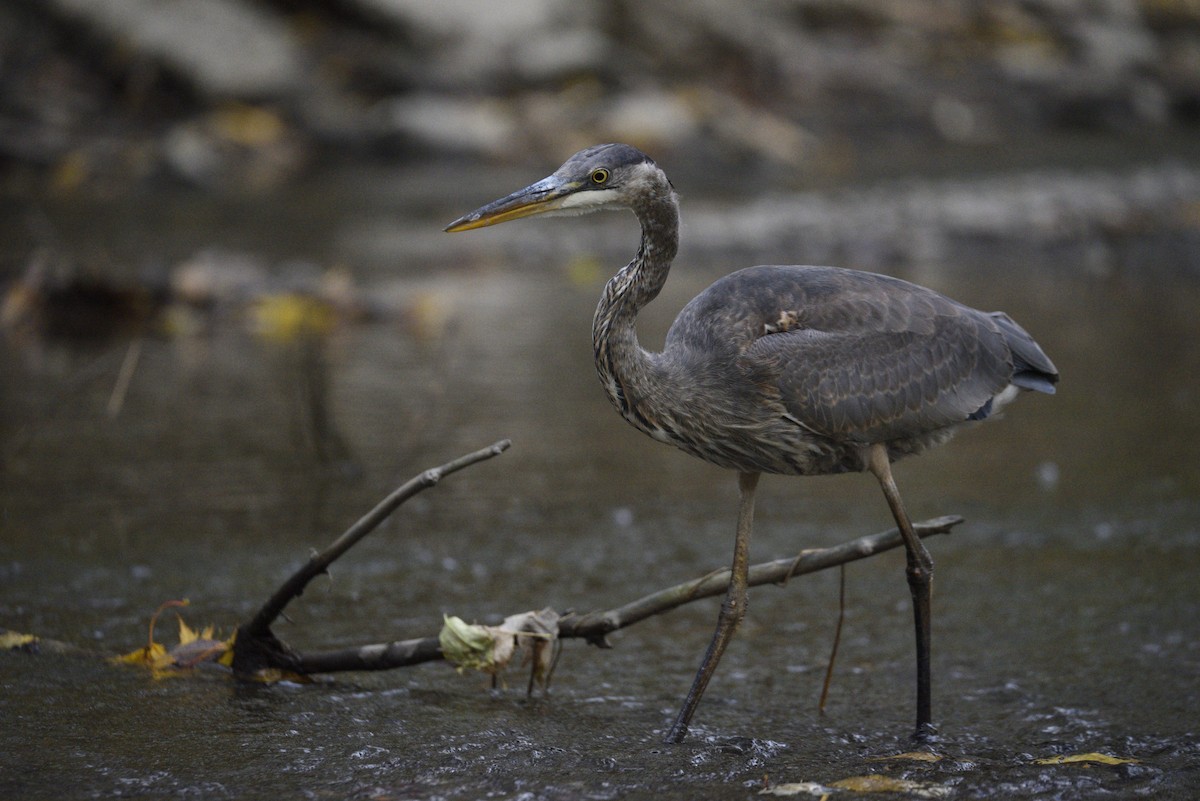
x,y
600,176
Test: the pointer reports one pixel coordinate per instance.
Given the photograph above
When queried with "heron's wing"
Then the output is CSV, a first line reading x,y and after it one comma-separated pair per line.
x,y
883,361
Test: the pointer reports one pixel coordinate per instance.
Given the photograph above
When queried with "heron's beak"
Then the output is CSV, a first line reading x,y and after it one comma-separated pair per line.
x,y
546,195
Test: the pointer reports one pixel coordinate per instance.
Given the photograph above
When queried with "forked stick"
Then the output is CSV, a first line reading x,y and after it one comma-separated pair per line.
x,y
259,626
594,626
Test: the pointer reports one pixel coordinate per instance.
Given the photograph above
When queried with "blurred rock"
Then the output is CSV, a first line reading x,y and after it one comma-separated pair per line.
x,y
440,122
224,47
215,276
234,144
1042,214
776,80
478,45
58,298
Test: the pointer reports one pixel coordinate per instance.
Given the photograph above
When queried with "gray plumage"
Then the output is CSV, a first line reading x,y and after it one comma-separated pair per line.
x,y
792,369
784,369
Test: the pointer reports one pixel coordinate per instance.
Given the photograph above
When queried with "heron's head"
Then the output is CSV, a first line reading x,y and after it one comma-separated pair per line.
x,y
598,177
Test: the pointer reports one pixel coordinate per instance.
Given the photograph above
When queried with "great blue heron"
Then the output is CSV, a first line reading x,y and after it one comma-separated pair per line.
x,y
783,369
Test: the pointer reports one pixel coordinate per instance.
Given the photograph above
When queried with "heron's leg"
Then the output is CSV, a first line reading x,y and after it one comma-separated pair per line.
x,y
920,580
732,610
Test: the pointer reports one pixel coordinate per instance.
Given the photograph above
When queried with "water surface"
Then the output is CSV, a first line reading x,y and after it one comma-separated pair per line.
x,y
1066,606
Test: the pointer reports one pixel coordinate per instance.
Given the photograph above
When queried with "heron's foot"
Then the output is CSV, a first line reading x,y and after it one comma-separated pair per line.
x,y
925,733
676,734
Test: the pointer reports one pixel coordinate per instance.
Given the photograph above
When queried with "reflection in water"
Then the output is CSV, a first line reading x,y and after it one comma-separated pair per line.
x,y
1065,616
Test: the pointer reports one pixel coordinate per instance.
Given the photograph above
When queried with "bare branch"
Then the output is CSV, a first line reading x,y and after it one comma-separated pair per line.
x,y
259,626
596,625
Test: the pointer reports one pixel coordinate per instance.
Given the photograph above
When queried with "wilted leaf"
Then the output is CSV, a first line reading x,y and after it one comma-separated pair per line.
x,y
12,641
246,125
193,648
491,648
288,316
876,783
188,635
71,172
537,631
153,656
1101,759
798,788
227,657
466,645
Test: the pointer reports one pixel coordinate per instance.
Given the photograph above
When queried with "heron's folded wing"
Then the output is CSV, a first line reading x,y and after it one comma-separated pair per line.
x,y
880,385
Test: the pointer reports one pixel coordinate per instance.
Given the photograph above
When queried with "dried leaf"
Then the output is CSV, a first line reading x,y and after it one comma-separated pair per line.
x,y
246,125
798,788
14,641
491,648
876,783
288,316
227,657
1093,758
71,172
193,648
188,635
466,645
153,656
536,631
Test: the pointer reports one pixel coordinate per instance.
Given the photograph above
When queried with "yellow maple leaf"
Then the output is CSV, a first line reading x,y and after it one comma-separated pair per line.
x,y
227,657
875,783
290,316
1094,758
14,640
247,125
193,648
196,647
152,655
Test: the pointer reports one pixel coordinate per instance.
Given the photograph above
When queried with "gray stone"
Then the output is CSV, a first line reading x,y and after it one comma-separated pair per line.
x,y
224,48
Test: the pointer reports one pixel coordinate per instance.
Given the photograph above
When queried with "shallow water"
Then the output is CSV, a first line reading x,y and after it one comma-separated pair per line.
x,y
1065,613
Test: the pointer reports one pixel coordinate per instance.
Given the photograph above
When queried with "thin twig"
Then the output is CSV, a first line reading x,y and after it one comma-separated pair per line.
x,y
116,400
318,563
837,639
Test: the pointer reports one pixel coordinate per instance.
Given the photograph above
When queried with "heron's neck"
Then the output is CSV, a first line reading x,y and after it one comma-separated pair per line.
x,y
625,368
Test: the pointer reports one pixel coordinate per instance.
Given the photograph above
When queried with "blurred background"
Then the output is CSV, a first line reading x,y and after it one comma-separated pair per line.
x,y
230,323
102,95
132,130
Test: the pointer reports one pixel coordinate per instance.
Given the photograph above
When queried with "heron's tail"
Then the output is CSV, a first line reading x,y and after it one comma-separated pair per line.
x,y
1032,368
